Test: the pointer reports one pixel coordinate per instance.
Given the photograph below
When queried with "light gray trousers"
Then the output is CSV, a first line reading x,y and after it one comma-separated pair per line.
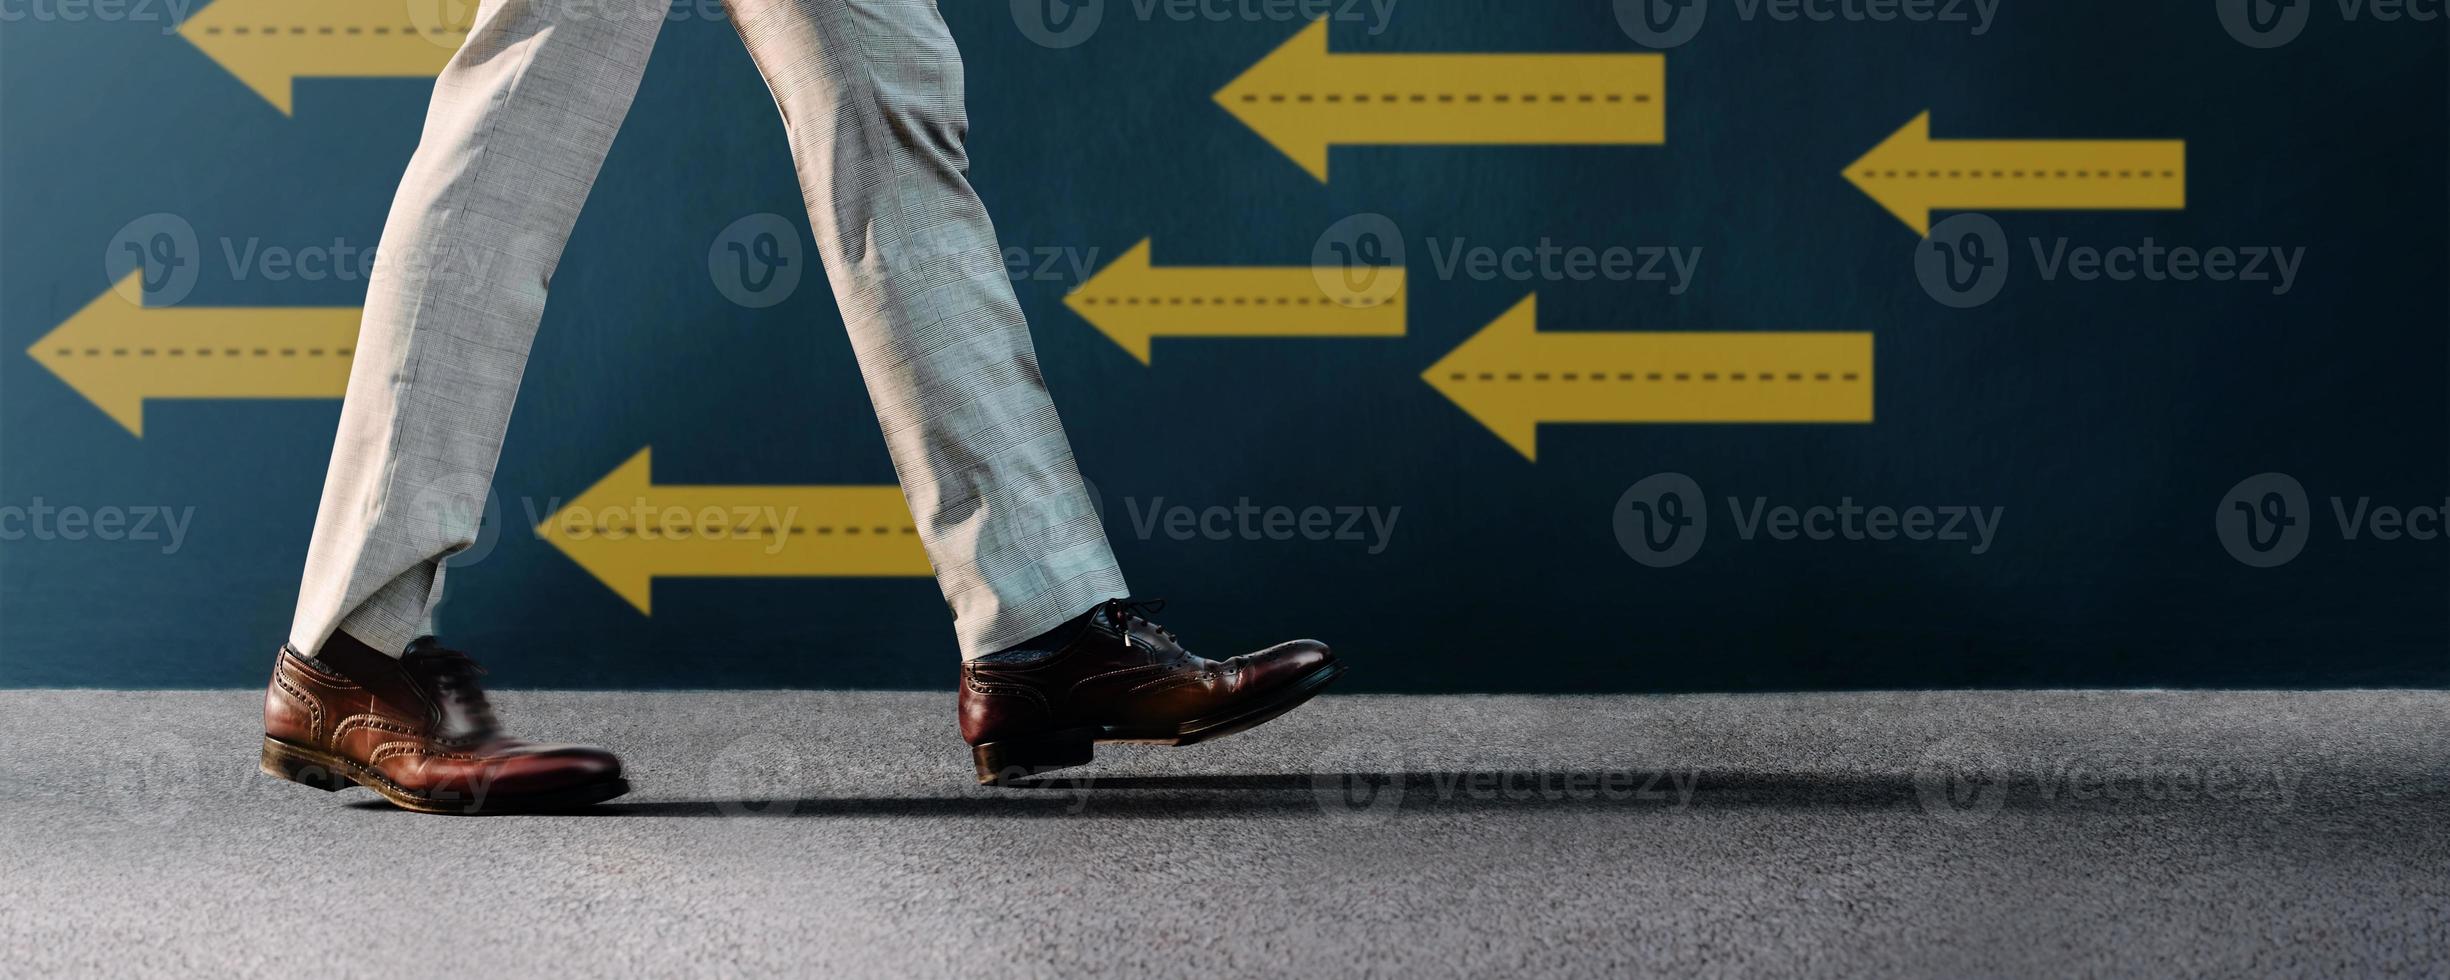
x,y
871,97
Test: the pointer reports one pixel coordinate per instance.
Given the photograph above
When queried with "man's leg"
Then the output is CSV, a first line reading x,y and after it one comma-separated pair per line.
x,y
520,123
521,119
871,93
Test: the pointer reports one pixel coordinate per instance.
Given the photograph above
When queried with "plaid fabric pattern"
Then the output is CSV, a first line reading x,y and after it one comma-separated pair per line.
x,y
521,119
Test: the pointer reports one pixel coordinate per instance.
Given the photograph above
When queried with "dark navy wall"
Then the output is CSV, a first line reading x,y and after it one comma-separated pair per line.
x,y
2106,422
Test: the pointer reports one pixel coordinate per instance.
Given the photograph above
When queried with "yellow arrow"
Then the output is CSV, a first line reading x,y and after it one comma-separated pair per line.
x,y
1133,302
628,531
1303,99
1911,174
118,354
1512,377
267,43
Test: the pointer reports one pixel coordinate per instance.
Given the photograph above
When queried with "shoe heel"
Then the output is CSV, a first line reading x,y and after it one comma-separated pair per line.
x,y
1012,758
287,763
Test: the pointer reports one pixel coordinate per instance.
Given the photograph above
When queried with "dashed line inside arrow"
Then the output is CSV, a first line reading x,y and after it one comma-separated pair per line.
x,y
297,30
1418,98
1664,376
722,531
1355,302
2043,174
206,352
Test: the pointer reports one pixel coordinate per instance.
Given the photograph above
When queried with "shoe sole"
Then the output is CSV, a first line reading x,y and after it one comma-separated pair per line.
x,y
330,773
1003,761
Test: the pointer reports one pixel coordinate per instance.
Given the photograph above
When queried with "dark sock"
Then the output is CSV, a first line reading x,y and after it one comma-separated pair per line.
x,y
1041,646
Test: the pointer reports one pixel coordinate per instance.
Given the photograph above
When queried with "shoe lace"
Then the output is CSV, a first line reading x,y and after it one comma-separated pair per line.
x,y
1127,612
455,678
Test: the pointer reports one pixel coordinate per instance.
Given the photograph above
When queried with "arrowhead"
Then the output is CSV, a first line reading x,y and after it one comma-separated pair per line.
x,y
1907,149
1497,348
1301,65
1119,278
214,31
101,327
620,560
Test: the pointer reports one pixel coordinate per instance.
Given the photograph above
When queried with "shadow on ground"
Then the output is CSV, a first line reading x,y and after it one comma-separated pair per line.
x,y
1380,794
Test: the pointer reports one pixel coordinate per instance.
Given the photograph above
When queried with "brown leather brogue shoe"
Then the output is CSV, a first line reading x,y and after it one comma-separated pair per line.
x,y
418,730
1125,679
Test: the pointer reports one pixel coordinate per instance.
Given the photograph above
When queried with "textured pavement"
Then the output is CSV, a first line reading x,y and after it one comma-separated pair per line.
x,y
829,833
